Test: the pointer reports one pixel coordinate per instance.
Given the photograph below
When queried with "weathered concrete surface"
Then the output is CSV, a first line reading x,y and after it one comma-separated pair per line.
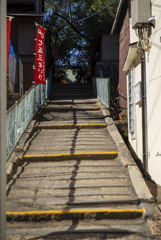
x,y
139,184
74,169
13,163
85,229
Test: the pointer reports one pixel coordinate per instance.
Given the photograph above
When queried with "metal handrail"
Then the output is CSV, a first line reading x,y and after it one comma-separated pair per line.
x,y
20,99
19,116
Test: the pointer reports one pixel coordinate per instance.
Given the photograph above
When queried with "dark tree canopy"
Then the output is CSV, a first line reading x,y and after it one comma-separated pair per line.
x,y
66,29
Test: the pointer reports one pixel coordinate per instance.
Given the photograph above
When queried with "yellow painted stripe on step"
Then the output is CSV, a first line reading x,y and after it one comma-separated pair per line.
x,y
68,108
87,102
75,125
130,210
70,154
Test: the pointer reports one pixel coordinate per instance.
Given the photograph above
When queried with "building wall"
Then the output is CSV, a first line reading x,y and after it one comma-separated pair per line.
x,y
108,66
109,49
23,33
124,40
153,87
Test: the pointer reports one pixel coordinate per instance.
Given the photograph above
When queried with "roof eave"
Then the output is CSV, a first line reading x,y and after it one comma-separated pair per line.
x,y
117,16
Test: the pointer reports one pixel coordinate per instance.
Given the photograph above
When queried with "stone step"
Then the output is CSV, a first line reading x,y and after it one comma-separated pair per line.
x,y
73,147
60,137
49,120
70,108
84,191
74,113
75,85
84,139
74,135
72,186
72,90
48,177
95,132
66,141
49,156
59,203
59,117
70,123
49,203
79,165
68,126
72,98
79,214
108,153
108,173
61,94
69,194
89,103
87,229
71,115
67,102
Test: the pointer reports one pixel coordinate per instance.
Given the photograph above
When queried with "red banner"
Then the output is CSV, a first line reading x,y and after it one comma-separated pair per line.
x,y
40,56
8,24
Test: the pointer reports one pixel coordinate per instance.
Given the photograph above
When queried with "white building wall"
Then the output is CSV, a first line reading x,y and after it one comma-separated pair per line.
x,y
153,81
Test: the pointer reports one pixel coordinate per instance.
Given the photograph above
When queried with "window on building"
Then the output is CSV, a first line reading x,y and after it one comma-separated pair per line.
x,y
131,103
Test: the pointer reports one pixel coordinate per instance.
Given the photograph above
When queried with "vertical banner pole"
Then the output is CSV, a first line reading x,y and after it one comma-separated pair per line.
x,y
3,119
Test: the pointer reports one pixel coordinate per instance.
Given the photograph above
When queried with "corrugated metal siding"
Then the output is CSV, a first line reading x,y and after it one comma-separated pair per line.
x,y
124,41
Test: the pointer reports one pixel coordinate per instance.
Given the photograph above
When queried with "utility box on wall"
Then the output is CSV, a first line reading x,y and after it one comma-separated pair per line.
x,y
140,12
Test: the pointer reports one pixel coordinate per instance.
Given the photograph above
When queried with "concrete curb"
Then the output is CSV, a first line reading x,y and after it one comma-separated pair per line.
x,y
138,182
14,161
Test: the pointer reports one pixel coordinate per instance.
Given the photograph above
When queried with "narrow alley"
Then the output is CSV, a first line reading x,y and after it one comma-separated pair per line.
x,y
72,182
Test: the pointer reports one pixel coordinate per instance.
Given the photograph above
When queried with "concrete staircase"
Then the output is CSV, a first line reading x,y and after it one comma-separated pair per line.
x,y
71,183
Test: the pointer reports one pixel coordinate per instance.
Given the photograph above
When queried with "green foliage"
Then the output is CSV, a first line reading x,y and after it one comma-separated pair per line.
x,y
116,111
123,128
70,34
125,118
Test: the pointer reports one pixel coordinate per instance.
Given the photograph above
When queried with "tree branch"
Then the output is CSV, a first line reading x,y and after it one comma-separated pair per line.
x,y
70,16
71,24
